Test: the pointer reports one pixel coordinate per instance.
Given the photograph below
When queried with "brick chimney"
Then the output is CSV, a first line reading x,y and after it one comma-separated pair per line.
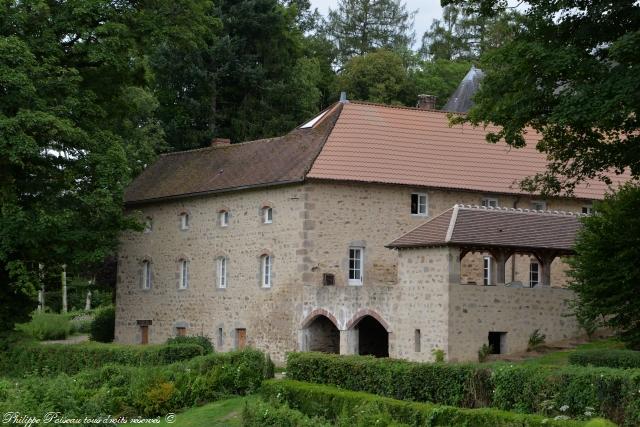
x,y
220,142
427,102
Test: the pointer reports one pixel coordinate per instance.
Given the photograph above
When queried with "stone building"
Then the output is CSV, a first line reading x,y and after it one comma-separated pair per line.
x,y
292,243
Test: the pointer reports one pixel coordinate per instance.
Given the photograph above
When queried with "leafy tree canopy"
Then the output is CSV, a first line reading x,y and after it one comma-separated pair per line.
x,y
605,273
570,73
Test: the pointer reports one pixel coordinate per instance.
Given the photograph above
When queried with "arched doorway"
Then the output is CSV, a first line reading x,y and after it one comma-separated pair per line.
x,y
323,335
373,338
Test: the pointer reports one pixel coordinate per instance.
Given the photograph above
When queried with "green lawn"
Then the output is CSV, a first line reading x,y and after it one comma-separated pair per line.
x,y
224,413
557,358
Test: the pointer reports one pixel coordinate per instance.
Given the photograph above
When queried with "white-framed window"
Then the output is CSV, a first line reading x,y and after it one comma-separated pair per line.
x,y
487,270
223,218
356,260
588,209
146,274
184,274
265,271
267,215
184,221
419,204
534,274
490,202
222,272
148,224
539,205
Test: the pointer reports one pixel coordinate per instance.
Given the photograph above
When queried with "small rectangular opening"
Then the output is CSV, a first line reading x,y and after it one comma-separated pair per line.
x,y
417,336
220,338
144,334
241,338
181,331
328,279
498,342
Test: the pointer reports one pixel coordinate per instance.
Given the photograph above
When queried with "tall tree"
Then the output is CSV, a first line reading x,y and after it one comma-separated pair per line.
x,y
569,73
358,27
76,122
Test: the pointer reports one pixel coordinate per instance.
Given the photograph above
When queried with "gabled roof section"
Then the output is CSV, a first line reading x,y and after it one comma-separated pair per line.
x,y
410,146
264,162
462,99
482,227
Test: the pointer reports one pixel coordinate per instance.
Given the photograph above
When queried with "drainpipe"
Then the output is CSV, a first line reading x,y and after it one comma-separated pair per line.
x,y
513,257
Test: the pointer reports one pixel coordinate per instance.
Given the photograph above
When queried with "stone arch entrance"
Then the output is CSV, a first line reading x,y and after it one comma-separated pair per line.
x,y
320,333
372,335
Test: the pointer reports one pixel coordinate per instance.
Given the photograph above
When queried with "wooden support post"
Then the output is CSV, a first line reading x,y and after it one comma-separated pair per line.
x,y
64,288
545,259
500,257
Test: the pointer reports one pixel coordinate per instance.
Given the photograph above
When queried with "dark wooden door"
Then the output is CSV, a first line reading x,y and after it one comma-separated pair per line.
x,y
144,334
241,338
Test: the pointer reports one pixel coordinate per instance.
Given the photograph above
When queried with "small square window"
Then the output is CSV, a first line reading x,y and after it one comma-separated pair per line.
x,y
539,205
184,221
355,266
224,218
587,210
267,215
490,202
419,202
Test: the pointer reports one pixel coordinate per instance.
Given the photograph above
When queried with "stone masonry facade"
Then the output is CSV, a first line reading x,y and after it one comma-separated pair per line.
x,y
413,294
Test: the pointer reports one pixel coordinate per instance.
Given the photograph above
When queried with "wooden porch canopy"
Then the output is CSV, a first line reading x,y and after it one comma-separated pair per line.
x,y
500,231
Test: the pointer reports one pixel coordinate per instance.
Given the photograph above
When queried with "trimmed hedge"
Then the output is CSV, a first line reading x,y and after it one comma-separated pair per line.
x,y
624,359
612,393
261,414
120,390
200,340
348,407
103,326
53,359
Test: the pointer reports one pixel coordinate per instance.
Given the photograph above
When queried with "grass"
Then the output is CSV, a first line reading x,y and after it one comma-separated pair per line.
x,y
559,358
223,413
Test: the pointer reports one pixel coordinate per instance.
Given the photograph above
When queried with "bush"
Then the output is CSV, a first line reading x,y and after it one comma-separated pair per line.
x,y
351,408
200,340
608,358
104,325
53,359
536,339
46,326
484,352
261,414
129,391
612,393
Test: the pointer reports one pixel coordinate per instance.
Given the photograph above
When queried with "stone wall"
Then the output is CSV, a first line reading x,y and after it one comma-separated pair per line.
x,y
267,314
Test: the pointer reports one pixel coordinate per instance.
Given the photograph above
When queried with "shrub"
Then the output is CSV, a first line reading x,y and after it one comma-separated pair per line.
x,y
536,339
46,326
52,359
484,352
200,340
262,414
357,408
438,355
103,325
612,393
607,358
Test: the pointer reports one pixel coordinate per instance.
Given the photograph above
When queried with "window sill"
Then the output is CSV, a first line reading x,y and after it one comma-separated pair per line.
x,y
355,282
421,215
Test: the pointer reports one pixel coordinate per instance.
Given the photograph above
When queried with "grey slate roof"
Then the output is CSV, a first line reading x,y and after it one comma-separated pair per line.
x,y
474,226
461,100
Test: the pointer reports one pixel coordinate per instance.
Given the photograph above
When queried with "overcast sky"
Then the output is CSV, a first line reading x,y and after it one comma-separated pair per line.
x,y
428,10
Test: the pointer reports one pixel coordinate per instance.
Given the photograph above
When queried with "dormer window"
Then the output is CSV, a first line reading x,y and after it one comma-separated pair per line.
x,y
148,224
184,221
490,202
223,218
539,205
267,215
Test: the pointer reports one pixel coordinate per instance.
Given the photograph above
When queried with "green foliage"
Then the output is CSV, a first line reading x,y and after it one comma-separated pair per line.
x,y
139,391
200,340
608,358
586,105
52,359
348,408
104,325
611,393
605,273
261,414
536,339
438,355
484,352
46,326
358,27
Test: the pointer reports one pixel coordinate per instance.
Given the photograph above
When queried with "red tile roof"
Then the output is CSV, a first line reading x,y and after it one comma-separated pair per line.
x,y
474,226
377,143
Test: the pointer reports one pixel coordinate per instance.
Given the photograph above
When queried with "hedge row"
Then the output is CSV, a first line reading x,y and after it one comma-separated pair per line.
x,y
358,408
262,414
625,359
53,359
120,390
612,393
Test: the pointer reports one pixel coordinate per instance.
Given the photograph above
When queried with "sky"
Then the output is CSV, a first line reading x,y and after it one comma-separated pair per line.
x,y
428,10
